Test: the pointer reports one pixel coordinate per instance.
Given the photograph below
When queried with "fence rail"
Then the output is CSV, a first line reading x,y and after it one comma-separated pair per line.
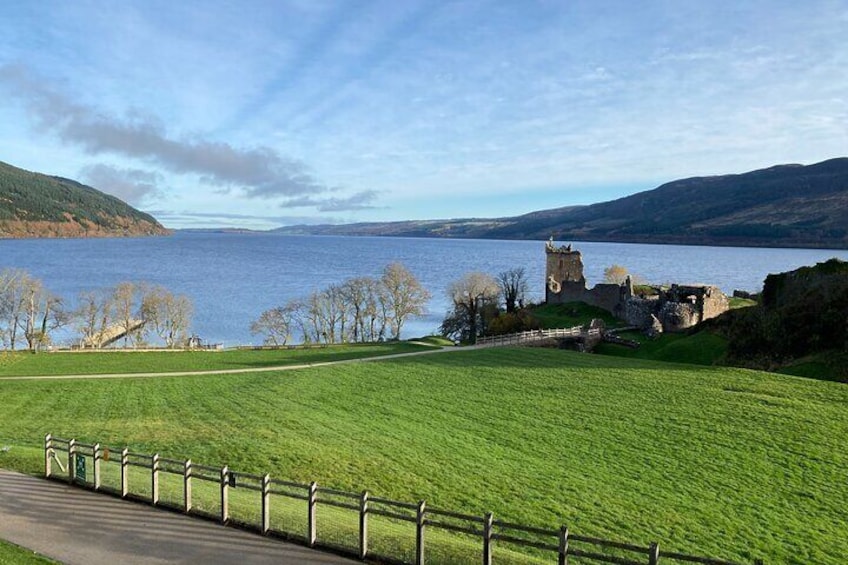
x,y
531,336
559,543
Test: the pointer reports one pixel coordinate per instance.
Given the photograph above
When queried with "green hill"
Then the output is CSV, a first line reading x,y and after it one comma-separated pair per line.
x,y
38,205
782,206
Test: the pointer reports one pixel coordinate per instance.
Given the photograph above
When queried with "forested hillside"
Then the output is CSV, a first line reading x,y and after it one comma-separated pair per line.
x,y
782,206
38,205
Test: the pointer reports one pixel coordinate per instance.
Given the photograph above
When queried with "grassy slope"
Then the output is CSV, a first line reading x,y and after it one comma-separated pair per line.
x,y
11,554
572,314
717,461
104,362
702,348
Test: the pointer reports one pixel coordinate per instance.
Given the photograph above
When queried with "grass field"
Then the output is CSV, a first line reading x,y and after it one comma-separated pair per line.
x,y
713,461
11,554
117,361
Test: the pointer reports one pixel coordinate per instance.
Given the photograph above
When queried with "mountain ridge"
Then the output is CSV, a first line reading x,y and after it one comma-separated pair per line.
x,y
34,205
788,205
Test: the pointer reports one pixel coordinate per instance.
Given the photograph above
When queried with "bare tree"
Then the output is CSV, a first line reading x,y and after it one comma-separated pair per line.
x,y
360,309
93,316
615,274
275,324
513,287
13,283
316,316
44,313
27,309
472,296
356,295
404,296
298,313
168,314
126,301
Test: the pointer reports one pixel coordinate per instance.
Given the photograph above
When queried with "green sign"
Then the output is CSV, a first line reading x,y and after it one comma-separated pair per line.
x,y
80,472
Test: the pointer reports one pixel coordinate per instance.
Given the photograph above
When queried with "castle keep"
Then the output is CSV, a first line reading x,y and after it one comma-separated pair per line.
x,y
672,308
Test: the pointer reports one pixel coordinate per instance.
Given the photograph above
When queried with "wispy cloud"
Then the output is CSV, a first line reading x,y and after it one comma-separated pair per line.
x,y
134,186
419,108
260,172
359,201
224,219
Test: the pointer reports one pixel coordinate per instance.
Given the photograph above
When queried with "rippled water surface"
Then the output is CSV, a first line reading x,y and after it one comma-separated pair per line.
x,y
231,278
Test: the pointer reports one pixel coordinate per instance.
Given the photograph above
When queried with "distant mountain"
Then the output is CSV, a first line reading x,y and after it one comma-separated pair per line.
x,y
782,206
37,205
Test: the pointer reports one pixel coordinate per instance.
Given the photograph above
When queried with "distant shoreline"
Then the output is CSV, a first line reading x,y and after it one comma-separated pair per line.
x,y
693,242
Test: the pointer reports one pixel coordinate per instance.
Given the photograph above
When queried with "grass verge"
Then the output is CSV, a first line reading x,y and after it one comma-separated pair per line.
x,y
11,554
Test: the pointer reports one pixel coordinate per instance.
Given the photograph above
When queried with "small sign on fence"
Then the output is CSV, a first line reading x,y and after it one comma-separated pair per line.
x,y
80,468
232,479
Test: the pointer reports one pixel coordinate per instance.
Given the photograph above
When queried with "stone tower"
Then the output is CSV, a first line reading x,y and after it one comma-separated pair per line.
x,y
564,271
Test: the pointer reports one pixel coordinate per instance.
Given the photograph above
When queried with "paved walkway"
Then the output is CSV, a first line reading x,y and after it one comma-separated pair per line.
x,y
76,526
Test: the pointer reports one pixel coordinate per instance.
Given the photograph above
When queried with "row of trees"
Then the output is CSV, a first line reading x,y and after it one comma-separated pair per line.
x,y
30,313
483,304
361,309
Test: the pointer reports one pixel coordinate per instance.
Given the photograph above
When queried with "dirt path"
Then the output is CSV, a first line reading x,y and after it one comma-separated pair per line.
x,y
237,371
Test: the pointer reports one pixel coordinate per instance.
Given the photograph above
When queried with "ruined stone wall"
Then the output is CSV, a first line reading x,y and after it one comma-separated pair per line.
x,y
715,302
678,316
676,308
638,311
610,297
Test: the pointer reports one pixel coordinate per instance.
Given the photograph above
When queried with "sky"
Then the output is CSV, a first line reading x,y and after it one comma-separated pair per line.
x,y
259,114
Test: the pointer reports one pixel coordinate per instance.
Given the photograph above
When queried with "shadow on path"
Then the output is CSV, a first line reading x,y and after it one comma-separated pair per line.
x,y
76,526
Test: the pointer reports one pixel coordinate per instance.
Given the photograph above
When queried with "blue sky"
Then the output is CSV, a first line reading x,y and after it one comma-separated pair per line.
x,y
265,113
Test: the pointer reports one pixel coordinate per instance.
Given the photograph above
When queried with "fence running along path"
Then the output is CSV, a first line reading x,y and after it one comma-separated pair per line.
x,y
559,542
531,336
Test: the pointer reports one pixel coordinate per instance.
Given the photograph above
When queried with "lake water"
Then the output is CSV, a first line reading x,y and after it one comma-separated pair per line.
x,y
232,278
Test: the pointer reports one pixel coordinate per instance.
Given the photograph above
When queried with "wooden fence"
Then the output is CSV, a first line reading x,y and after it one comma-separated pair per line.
x,y
557,543
530,336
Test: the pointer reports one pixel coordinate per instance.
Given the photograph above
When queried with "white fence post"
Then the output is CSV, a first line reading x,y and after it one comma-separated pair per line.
x,y
420,523
187,486
487,539
97,455
154,479
266,503
48,455
654,554
125,479
72,460
363,525
563,546
225,486
311,526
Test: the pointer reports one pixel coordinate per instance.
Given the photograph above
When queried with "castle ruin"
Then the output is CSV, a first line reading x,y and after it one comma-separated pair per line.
x,y
673,308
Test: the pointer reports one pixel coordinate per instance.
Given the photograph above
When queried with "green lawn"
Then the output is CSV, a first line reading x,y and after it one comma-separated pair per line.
x,y
11,554
720,462
701,348
572,314
117,361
